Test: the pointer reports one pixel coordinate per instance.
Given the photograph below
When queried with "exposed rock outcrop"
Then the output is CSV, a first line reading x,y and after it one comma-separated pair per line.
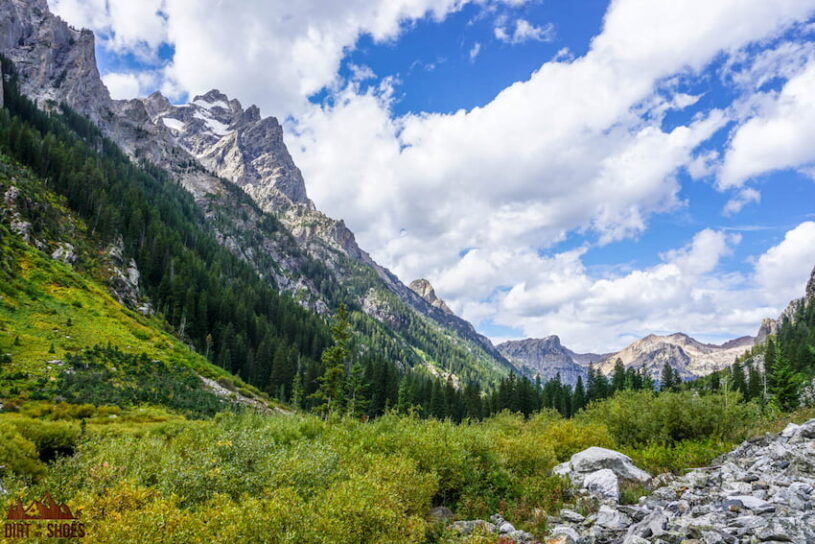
x,y
55,62
599,471
770,326
547,357
425,290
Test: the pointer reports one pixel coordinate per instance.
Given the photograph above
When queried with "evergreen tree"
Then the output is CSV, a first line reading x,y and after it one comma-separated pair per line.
x,y
403,396
297,391
739,380
329,392
618,376
579,396
754,389
355,386
785,384
667,380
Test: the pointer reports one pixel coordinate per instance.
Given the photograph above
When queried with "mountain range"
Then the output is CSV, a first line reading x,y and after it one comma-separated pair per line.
x,y
214,146
547,357
235,164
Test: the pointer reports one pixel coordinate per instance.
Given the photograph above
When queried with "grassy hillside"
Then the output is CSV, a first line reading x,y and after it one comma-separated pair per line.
x,y
52,313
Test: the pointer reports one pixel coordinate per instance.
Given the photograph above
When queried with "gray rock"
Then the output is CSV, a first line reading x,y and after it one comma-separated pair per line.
x,y
780,530
603,484
634,539
610,518
571,516
565,530
475,526
65,253
594,459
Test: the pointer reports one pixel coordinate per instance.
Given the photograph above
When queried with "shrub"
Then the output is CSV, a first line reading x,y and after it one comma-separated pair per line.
x,y
18,454
52,438
658,458
637,418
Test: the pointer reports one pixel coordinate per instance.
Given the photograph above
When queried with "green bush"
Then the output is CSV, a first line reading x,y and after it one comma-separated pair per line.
x,y
638,418
18,454
658,458
52,438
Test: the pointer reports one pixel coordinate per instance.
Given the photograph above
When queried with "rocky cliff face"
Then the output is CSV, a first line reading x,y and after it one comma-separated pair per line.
x,y
55,62
236,144
425,290
770,326
547,357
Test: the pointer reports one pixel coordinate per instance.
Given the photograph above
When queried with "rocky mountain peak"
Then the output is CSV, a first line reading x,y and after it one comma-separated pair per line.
x,y
425,290
238,145
55,61
212,96
545,357
685,354
810,290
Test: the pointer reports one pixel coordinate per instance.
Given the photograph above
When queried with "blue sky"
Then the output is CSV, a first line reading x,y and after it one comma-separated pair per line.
x,y
590,169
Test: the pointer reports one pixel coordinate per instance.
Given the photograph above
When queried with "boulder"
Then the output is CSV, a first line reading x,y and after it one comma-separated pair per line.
x,y
600,471
603,484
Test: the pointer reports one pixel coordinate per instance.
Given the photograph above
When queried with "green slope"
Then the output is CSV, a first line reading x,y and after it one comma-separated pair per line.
x,y
51,312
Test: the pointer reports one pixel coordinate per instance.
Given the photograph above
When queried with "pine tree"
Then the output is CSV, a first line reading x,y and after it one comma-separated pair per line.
x,y
579,396
334,358
355,386
785,384
667,380
754,389
739,380
618,376
297,391
402,397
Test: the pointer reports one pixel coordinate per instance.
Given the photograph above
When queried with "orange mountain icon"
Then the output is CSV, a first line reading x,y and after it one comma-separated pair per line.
x,y
48,508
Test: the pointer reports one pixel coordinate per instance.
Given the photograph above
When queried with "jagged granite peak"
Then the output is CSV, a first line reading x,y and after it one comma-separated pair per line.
x,y
55,61
809,293
248,150
234,143
425,290
769,326
547,357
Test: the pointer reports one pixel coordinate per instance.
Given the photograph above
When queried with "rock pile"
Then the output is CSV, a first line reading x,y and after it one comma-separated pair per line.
x,y
599,471
497,525
764,491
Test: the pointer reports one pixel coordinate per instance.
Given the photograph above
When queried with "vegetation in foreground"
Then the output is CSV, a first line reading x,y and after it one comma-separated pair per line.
x,y
146,475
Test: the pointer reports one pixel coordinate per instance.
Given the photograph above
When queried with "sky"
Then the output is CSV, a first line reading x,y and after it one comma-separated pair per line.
x,y
599,170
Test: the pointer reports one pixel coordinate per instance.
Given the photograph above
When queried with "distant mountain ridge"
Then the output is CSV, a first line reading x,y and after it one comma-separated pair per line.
x,y
547,357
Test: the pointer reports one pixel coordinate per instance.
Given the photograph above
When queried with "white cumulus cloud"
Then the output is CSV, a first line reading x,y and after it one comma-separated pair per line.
x,y
524,31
